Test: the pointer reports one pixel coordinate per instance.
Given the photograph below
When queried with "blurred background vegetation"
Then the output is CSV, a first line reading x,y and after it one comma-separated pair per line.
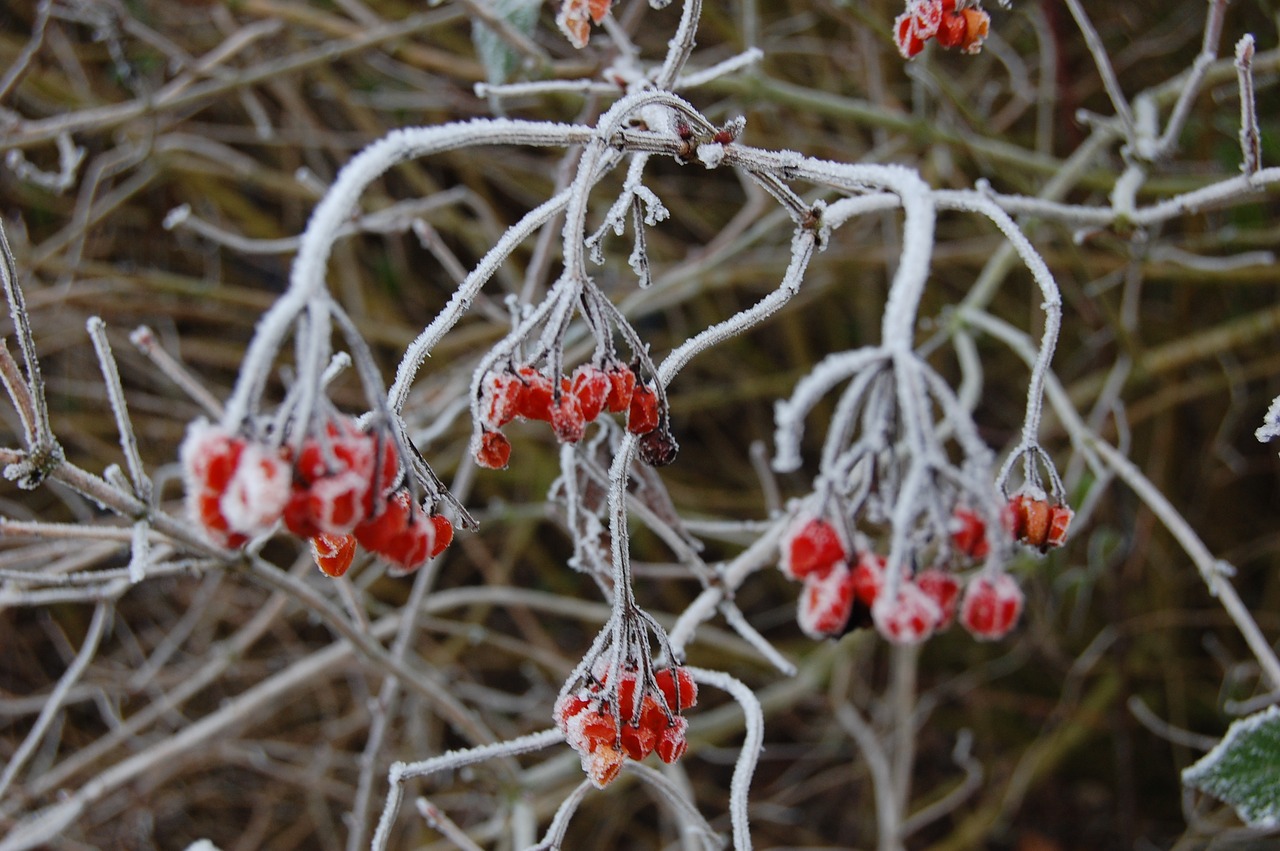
x,y
243,110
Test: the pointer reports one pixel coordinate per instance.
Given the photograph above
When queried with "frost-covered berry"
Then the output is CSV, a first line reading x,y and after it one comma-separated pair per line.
x,y
566,419
943,588
1037,523
826,602
333,553
811,545
535,398
622,385
235,488
590,386
493,450
642,414
969,533
868,578
991,606
500,396
908,618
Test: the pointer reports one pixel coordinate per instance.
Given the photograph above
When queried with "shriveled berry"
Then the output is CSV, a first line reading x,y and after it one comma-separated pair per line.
x,y
658,448
1059,521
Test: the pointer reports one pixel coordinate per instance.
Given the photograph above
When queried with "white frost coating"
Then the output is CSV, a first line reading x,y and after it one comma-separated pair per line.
x,y
711,154
1270,427
1257,803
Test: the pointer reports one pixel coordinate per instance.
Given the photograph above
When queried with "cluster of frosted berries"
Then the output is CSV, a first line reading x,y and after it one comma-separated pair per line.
x,y
603,741
344,488
579,399
964,28
841,593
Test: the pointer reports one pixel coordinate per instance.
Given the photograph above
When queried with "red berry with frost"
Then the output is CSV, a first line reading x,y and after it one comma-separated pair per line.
x,y
642,415
535,398
1059,521
493,451
812,546
868,578
904,36
671,743
943,588
500,397
977,24
909,618
622,385
333,553
566,419
667,683
590,386
969,534
991,606
825,602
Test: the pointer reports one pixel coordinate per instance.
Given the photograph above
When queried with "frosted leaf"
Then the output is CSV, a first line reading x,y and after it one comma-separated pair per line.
x,y
1270,423
500,61
1244,769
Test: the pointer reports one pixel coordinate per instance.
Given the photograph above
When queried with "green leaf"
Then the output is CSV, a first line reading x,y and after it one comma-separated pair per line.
x,y
499,60
1244,769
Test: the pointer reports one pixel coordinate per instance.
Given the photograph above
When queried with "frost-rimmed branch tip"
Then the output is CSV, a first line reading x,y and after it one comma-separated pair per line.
x,y
402,771
1250,144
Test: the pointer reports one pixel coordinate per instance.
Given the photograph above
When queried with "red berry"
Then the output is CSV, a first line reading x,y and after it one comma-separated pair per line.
x,y
566,419
969,534
494,450
442,534
333,553
812,546
535,398
927,17
904,36
952,28
638,742
1059,521
991,606
868,578
671,741
667,685
977,24
377,533
622,385
642,415
944,590
909,618
591,386
500,396
826,602
598,9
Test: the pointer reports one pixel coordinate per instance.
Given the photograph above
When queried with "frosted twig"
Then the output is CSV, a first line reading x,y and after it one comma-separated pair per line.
x,y
115,396
173,369
401,771
554,837
1194,79
1250,145
437,820
40,439
1105,71
753,718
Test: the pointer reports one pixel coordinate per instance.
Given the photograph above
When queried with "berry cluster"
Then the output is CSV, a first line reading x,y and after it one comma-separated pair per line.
x,y
578,400
603,739
965,27
341,488
837,597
